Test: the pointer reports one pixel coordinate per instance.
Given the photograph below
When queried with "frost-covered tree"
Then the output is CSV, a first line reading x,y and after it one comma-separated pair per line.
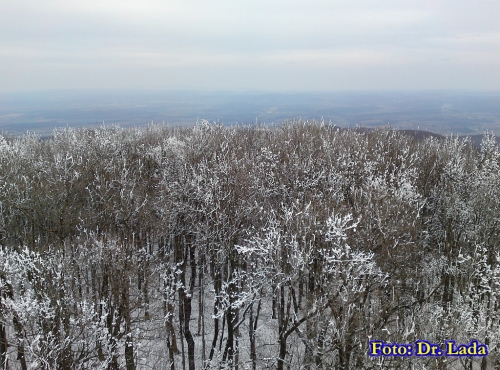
x,y
245,247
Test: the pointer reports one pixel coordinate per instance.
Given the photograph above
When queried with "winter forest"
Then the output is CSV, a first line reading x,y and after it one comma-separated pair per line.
x,y
212,247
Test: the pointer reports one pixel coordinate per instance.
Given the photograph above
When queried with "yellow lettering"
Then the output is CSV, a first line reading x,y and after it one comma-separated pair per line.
x,y
423,348
472,350
450,349
375,348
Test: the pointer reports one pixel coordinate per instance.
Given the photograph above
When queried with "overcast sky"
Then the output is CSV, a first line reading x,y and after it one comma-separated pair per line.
x,y
267,45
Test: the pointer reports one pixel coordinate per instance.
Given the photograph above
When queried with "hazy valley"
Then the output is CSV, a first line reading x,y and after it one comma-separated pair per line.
x,y
464,113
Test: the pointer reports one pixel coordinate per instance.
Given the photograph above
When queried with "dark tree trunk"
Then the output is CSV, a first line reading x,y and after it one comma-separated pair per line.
x,y
18,327
217,288
252,328
185,297
129,345
3,346
188,309
282,326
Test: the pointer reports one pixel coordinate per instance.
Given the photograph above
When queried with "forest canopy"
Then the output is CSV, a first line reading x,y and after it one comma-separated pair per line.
x,y
217,247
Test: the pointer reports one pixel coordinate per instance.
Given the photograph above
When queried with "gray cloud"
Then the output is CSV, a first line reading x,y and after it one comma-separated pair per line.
x,y
264,45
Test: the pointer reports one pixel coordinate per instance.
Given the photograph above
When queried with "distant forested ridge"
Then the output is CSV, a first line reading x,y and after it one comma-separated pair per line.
x,y
246,248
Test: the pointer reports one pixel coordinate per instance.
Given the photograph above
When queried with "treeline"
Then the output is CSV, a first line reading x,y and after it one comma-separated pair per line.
x,y
245,247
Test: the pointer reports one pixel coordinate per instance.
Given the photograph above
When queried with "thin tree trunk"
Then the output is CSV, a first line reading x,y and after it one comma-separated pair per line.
x,y
181,272
251,337
4,345
185,299
252,328
187,309
171,358
129,345
217,288
201,310
18,327
282,325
